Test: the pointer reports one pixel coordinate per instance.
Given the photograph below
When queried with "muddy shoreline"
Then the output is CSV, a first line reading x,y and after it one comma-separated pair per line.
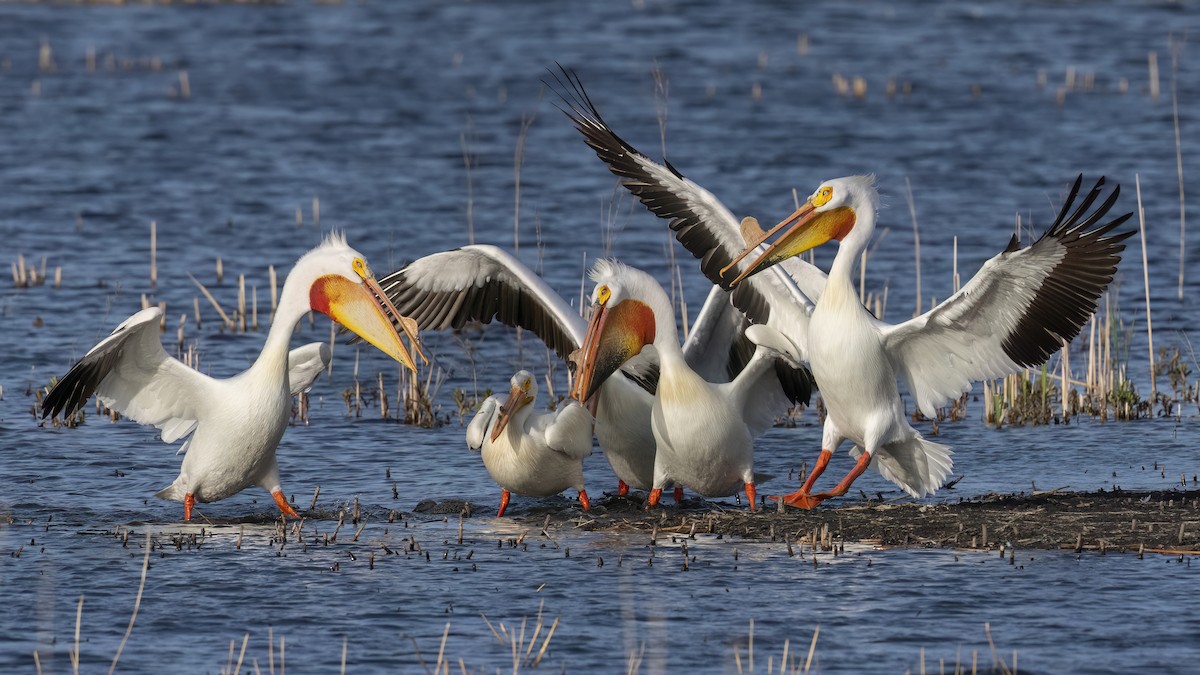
x,y
1160,521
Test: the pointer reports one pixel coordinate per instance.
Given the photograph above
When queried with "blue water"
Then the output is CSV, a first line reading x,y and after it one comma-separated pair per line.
x,y
366,109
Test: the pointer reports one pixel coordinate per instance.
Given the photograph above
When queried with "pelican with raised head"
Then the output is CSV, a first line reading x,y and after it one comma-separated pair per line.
x,y
234,424
1020,308
531,453
704,432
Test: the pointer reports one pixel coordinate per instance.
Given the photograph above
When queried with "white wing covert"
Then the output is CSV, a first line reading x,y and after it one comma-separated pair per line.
x,y
131,373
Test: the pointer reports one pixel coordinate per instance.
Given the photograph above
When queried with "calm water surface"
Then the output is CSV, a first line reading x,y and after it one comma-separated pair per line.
x,y
367,110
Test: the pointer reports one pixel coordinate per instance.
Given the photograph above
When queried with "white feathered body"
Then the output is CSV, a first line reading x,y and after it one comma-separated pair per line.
x,y
703,441
233,446
623,431
538,454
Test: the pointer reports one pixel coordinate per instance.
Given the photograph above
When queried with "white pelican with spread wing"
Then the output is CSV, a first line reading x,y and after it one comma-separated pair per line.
x,y
234,424
704,432
531,453
1021,307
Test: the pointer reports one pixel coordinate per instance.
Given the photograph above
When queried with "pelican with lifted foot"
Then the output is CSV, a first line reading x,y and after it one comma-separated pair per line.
x,y
234,424
1020,308
531,453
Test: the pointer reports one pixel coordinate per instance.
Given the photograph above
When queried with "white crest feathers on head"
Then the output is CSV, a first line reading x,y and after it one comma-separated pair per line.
x,y
607,269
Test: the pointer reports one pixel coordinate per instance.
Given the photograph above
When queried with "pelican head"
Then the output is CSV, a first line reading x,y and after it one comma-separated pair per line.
x,y
830,212
622,323
342,286
523,391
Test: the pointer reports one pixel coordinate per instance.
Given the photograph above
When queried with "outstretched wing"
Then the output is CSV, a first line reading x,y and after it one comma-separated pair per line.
x,y
130,373
483,283
1016,311
782,298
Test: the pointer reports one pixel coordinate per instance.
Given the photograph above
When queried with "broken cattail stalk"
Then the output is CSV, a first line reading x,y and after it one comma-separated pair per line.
x,y
317,211
185,86
58,277
254,307
220,271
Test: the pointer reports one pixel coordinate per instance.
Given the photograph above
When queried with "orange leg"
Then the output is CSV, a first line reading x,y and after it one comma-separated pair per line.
x,y
797,498
283,505
751,496
504,495
189,502
811,501
655,495
622,487
583,500
678,495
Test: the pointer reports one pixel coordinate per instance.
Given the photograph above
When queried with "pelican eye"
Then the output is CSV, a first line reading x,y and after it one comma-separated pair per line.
x,y
822,196
360,268
603,294
526,384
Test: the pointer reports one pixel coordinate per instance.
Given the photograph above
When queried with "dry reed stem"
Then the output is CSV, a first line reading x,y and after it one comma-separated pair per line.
x,y
912,210
78,622
344,639
153,254
241,655
442,648
518,159
136,604
1178,159
812,649
211,299
1152,66
468,162
1137,181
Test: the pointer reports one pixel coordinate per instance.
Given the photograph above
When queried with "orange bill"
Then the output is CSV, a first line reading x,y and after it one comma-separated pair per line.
x,y
364,309
615,334
517,398
809,229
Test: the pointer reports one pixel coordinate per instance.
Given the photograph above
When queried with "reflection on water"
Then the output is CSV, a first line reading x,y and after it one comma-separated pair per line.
x,y
301,118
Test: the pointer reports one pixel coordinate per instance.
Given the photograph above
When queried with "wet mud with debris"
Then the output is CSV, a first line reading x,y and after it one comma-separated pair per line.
x,y
1108,521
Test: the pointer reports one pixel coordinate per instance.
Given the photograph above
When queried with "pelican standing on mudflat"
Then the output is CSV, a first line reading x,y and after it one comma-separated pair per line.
x,y
236,423
704,432
446,290
1020,308
537,454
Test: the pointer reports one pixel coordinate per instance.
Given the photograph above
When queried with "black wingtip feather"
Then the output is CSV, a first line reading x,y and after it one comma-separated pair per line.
x,y
1072,289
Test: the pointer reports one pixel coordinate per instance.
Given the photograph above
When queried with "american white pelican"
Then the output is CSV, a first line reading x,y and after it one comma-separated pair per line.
x,y
1018,310
236,423
704,432
537,454
484,283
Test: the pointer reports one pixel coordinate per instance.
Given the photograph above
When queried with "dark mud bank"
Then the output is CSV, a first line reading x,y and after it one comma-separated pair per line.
x,y
1118,521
